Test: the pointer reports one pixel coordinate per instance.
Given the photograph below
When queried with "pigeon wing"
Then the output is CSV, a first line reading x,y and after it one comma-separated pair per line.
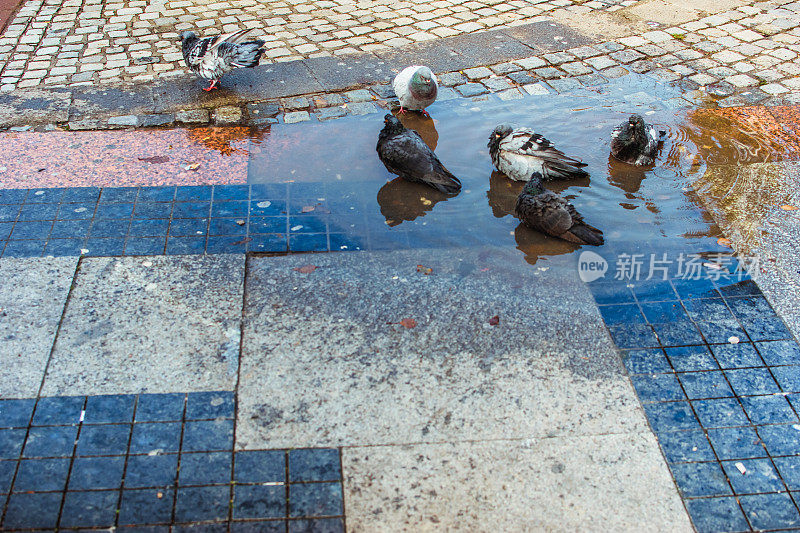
x,y
407,155
199,51
555,163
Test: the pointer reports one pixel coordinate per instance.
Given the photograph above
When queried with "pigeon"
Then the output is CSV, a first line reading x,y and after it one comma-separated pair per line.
x,y
635,142
416,88
404,153
547,212
211,57
520,152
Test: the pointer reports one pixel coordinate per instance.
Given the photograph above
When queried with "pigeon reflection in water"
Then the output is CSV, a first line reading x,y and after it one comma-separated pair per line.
x,y
422,125
629,178
402,201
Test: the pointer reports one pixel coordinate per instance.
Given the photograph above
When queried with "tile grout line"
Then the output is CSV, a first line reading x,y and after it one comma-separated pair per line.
x,y
242,317
125,461
178,466
71,463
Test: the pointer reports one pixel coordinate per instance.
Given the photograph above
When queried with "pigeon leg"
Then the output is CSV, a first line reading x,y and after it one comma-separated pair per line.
x,y
424,113
212,86
402,111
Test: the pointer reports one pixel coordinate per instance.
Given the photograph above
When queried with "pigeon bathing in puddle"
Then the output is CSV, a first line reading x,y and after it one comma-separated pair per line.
x,y
403,152
547,212
416,88
520,152
635,142
211,57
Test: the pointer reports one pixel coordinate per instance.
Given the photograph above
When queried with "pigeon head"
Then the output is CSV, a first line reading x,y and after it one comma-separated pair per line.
x,y
634,130
392,124
422,84
534,186
498,134
188,36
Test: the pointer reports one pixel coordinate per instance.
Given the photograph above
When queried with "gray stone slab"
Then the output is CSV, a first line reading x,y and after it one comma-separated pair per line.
x,y
571,483
489,47
32,298
150,324
340,73
325,362
438,55
548,36
105,101
34,106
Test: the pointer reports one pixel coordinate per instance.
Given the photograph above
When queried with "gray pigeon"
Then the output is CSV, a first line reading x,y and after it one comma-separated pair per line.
x,y
403,152
547,212
635,142
520,152
416,88
211,57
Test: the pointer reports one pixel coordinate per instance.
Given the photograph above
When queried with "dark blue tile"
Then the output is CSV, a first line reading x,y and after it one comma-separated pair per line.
x,y
657,387
633,336
38,212
103,440
752,381
202,503
12,196
117,195
164,436
58,410
96,473
671,416
205,468
268,208
759,476
621,314
654,291
788,377
268,191
610,293
39,475
105,247
7,469
44,196
81,194
393,240
109,228
308,242
206,405
736,443
146,506
24,248
701,385
268,224
768,410
711,515
720,413
70,229
315,499
5,229
156,194
193,193
781,439
151,471
75,212
713,309
208,435
344,242
770,511
64,247
186,245
794,399
691,358
314,464
273,526
307,224
320,525
229,209
700,479
106,409
720,331
11,443
779,352
191,210
737,355
789,469
259,501
227,226
160,407
145,245
763,329
113,211
227,244
9,213
201,528
695,288
650,361
231,192
188,227
731,286
268,243
677,333
50,441
32,511
260,466
90,509
152,210
15,413
750,307
685,446
308,207
38,229
656,312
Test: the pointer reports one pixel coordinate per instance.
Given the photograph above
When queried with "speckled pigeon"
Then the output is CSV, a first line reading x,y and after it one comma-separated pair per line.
x,y
547,212
211,57
635,142
416,88
520,152
404,153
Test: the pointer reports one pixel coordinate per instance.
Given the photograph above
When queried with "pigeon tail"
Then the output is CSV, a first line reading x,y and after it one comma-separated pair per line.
x,y
248,54
444,181
585,234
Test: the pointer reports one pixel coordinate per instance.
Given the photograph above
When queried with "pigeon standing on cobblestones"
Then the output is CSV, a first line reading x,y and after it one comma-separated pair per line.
x,y
520,152
547,212
403,152
211,57
416,88
635,142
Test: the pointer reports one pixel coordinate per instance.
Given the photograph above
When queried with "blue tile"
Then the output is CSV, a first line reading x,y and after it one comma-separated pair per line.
x,y
227,226
260,466
152,210
750,307
677,333
206,405
208,435
15,413
229,209
768,410
701,385
227,244
268,208
146,506
764,329
58,410
193,193
64,247
81,194
96,473
273,526
202,503
113,211
315,499
700,479
314,464
650,361
188,227
770,511
720,331
657,387
44,196
781,439
268,224
713,309
191,210
117,195
671,416
258,501
759,476
24,249
186,245
724,412
320,525
145,245
9,213
75,212
732,287
39,475
268,243
38,212
780,352
5,229
164,436
789,469
737,355
712,515
7,469
656,312
304,189
56,441
11,443
307,224
788,377
633,336
164,193
205,468
695,288
109,228
685,446
752,381
610,293
736,443
621,314
343,242
151,471
12,196
160,407
231,192
308,242
103,440
39,229
691,358
109,409
268,191
70,229
32,511
89,509
654,291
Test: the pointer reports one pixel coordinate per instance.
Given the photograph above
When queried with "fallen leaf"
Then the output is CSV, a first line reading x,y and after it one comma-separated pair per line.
x,y
155,159
722,241
408,323
790,207
494,320
306,269
243,241
193,166
307,208
425,201
425,270
241,222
